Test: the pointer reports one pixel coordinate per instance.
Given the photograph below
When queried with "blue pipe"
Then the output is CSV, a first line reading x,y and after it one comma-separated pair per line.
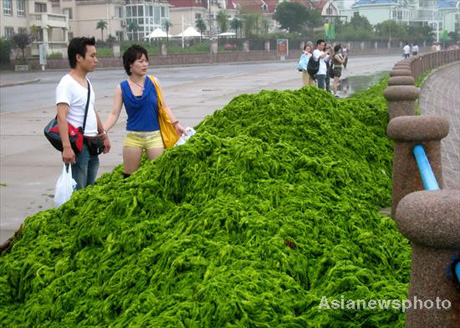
x,y
457,271
428,178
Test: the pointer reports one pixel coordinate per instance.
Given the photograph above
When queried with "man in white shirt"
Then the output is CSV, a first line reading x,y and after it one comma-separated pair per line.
x,y
320,55
415,50
71,99
406,50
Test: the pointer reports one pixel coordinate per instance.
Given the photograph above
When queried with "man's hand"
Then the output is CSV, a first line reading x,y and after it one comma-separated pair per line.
x,y
106,140
68,155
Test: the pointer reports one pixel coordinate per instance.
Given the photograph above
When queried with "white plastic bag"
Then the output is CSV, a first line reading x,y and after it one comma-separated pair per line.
x,y
64,186
185,136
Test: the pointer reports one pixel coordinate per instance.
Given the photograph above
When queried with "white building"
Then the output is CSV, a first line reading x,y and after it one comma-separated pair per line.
x,y
39,17
442,14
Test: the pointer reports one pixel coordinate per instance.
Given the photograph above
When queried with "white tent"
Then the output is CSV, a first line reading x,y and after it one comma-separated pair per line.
x,y
158,33
188,33
227,34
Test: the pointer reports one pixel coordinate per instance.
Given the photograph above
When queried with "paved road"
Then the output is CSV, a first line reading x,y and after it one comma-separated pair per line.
x,y
29,166
440,95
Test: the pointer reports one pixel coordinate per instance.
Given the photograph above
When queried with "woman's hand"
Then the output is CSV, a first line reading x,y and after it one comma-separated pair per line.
x,y
179,128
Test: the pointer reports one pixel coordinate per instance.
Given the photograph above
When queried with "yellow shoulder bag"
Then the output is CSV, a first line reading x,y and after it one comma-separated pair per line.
x,y
167,129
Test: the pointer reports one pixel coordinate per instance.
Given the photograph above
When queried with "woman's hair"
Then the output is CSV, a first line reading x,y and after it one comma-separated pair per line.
x,y
132,54
337,48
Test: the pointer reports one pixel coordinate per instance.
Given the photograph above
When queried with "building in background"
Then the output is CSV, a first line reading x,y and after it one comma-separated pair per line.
x,y
441,14
41,18
84,15
144,16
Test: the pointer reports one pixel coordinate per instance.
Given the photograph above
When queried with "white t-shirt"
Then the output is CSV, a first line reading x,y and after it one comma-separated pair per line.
x,y
322,64
415,49
72,93
406,49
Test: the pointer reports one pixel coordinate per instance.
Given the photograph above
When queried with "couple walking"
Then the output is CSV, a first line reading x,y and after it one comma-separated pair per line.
x,y
139,93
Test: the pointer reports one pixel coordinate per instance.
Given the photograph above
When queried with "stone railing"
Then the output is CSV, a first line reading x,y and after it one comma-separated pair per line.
x,y
429,219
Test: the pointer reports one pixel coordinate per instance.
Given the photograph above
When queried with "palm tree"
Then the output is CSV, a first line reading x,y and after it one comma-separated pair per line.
x,y
236,24
201,26
133,27
166,25
102,25
222,21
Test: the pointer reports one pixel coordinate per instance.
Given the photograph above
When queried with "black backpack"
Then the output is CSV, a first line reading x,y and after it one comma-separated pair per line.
x,y
313,66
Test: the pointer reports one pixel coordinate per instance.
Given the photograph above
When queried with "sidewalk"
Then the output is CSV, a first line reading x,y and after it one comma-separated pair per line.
x,y
440,95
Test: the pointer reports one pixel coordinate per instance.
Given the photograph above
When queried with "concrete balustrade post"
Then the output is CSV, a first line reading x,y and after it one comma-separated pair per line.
x,y
267,45
163,49
408,131
401,80
431,221
399,71
246,46
401,99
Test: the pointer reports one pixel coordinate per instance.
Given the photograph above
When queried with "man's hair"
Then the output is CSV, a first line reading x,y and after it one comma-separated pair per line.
x,y
77,46
320,41
131,55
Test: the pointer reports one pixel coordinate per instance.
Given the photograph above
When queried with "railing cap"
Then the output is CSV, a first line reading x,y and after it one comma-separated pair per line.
x,y
401,80
418,128
401,93
431,218
397,71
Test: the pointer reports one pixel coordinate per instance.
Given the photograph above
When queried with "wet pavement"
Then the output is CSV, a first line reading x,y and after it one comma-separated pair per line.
x,y
440,95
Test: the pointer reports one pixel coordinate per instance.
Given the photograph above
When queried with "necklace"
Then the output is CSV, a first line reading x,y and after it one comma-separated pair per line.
x,y
141,86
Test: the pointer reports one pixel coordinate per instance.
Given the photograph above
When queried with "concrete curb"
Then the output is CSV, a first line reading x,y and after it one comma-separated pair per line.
x,y
12,84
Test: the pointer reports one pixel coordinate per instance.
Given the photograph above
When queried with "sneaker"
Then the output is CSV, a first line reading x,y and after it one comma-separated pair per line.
x,y
337,96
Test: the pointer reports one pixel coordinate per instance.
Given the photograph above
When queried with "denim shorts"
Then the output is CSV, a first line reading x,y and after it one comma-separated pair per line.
x,y
145,140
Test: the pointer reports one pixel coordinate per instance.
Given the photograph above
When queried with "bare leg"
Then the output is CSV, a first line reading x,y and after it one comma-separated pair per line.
x,y
336,83
131,159
154,153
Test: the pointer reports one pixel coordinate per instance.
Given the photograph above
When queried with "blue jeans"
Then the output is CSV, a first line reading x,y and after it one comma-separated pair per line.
x,y
84,171
321,81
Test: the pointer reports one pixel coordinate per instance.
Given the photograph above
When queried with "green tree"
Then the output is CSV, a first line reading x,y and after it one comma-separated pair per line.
x,y
222,21
390,30
313,19
101,25
358,29
167,25
236,24
5,50
133,27
21,41
292,16
252,24
201,26
360,22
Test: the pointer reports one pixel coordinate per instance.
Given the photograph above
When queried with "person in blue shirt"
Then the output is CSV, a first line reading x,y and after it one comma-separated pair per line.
x,y
140,98
303,64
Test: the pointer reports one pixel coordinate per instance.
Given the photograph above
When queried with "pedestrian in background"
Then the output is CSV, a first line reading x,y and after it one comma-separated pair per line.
x,y
303,64
415,50
406,50
338,60
346,52
320,55
328,50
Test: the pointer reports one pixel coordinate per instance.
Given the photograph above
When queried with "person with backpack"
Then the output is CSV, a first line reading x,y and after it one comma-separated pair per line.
x,y
319,56
303,64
